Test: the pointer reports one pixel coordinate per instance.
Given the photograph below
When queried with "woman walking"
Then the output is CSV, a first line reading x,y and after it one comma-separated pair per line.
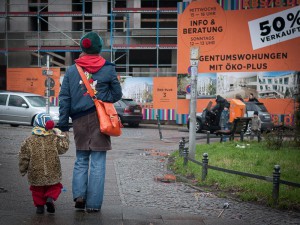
x,y
75,102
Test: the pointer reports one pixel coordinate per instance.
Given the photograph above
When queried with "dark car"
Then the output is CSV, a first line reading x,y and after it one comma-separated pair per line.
x,y
206,120
129,111
264,115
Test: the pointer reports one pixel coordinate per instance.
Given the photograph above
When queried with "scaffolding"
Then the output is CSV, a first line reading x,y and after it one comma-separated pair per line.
x,y
140,36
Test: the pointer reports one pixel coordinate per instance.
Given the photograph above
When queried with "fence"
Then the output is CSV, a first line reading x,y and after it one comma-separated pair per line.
x,y
183,152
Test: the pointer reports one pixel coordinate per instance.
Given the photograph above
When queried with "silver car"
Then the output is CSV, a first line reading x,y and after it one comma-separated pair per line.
x,y
20,108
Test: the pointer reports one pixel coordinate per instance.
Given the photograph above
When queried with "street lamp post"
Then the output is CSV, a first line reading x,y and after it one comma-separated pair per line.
x,y
194,55
48,73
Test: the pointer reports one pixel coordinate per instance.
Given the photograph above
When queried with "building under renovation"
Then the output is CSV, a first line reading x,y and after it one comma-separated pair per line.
x,y
139,35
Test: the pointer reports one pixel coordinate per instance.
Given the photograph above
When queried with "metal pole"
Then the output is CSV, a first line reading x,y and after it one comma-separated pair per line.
x,y
6,33
185,155
181,146
157,38
204,167
295,108
83,15
207,137
159,129
194,53
276,181
59,31
48,86
128,43
111,31
39,35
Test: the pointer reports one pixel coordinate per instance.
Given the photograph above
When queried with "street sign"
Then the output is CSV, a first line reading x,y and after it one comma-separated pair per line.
x,y
189,70
188,89
47,72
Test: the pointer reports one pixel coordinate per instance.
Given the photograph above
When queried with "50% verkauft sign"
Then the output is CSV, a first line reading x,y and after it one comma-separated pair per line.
x,y
275,28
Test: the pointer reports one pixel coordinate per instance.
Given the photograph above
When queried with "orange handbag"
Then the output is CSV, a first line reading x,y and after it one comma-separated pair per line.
x,y
109,120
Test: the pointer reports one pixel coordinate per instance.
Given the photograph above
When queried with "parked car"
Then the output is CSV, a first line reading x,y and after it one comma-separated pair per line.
x,y
264,115
20,108
129,111
203,119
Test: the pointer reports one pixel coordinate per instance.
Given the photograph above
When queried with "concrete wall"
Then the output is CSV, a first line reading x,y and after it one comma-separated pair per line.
x,y
135,18
21,58
99,8
18,23
2,19
62,23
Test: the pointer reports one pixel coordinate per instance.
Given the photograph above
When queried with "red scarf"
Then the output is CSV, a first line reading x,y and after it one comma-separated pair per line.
x,y
91,63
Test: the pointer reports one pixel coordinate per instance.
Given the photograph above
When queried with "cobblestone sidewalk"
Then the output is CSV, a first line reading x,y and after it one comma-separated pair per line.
x,y
138,187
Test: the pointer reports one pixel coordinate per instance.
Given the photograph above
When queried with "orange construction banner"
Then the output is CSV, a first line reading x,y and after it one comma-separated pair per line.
x,y
183,105
241,52
32,80
164,92
265,39
274,106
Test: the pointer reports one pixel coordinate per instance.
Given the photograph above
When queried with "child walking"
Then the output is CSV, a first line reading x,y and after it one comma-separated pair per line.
x,y
255,127
39,158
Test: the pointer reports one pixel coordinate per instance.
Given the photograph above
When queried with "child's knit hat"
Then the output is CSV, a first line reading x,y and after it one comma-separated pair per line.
x,y
43,120
91,43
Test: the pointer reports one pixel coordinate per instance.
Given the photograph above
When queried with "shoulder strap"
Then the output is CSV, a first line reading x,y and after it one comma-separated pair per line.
x,y
85,81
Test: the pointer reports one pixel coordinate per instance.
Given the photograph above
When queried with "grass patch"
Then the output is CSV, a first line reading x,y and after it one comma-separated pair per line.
x,y
255,158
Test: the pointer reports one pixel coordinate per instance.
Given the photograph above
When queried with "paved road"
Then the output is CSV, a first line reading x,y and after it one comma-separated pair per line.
x,y
131,168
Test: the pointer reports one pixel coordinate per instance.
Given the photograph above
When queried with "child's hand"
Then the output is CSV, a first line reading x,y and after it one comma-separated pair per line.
x,y
66,134
58,132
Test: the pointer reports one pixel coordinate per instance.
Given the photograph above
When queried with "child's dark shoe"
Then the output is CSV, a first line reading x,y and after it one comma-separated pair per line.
x,y
80,203
50,205
40,209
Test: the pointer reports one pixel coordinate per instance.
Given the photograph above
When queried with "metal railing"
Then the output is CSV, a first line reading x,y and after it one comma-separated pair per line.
x,y
275,178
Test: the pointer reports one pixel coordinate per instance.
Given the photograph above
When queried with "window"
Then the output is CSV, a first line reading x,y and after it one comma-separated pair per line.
x,y
15,100
3,99
261,107
166,20
129,101
36,101
37,24
78,21
250,107
117,104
